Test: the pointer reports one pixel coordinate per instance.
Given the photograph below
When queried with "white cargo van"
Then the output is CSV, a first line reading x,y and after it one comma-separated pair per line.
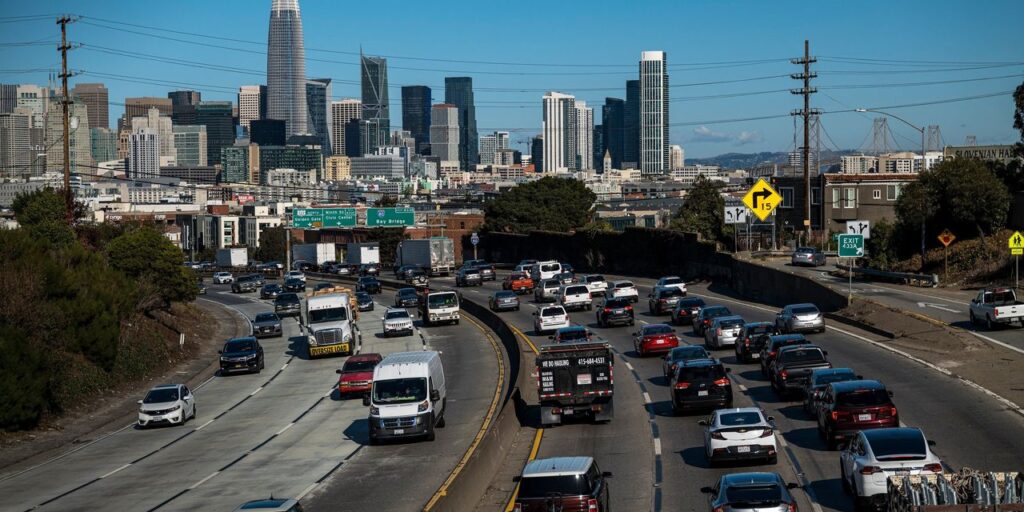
x,y
545,270
408,396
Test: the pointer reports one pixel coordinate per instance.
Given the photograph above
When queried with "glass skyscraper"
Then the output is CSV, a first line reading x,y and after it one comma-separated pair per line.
x,y
631,125
286,68
613,126
318,98
416,115
374,83
216,116
458,91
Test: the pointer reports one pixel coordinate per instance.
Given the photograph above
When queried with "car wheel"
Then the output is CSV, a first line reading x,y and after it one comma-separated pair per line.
x,y
988,323
373,440
430,433
440,421
517,308
974,321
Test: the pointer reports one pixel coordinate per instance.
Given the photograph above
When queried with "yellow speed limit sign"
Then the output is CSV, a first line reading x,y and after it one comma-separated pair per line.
x,y
762,199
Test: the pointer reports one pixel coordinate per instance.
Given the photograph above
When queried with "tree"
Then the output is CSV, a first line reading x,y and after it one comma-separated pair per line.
x,y
386,201
42,213
272,244
977,197
1018,115
915,207
548,204
702,212
145,253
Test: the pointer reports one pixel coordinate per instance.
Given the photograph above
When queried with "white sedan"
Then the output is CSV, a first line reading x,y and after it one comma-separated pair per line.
x,y
295,274
622,290
672,281
875,455
739,434
595,283
397,321
223,278
550,318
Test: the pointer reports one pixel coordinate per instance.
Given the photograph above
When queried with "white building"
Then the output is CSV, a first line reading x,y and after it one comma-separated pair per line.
x,y
249,100
161,125
654,121
15,148
444,131
559,131
78,132
144,154
490,145
584,137
290,178
342,112
677,157
858,164
689,173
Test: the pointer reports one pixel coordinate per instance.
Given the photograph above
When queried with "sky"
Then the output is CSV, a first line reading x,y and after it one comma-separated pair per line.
x,y
728,60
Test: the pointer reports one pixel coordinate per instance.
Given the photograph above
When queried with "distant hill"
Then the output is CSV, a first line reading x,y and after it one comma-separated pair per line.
x,y
748,160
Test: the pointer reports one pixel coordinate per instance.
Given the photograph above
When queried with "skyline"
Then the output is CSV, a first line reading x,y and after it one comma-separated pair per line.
x,y
512,102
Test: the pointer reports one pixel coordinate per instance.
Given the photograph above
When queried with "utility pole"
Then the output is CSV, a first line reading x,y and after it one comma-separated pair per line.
x,y
65,102
806,91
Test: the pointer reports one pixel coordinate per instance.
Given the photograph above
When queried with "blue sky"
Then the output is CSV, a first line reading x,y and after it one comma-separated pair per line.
x,y
584,48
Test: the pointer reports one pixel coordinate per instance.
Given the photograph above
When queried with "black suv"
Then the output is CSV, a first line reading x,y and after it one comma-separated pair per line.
x,y
368,284
776,342
686,310
294,284
486,269
752,337
468,276
700,384
615,312
241,355
407,298
270,291
369,269
663,300
287,304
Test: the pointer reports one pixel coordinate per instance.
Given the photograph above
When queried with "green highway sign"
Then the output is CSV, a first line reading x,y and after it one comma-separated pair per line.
x,y
851,246
308,218
324,217
385,217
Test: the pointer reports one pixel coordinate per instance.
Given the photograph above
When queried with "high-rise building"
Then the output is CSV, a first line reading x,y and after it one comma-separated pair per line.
x,y
144,154
614,128
444,132
403,138
458,91
300,158
139,107
183,106
631,126
286,68
337,168
97,100
161,125
190,143
235,164
584,136
15,147
341,113
8,98
318,97
251,99
599,149
416,115
376,107
104,144
677,157
216,116
537,153
78,133
559,127
267,132
654,122
490,145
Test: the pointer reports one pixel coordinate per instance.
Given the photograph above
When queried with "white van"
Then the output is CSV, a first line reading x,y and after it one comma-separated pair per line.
x,y
575,296
545,270
408,396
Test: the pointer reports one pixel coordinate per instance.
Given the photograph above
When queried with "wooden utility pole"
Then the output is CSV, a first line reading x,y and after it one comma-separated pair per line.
x,y
806,91
65,103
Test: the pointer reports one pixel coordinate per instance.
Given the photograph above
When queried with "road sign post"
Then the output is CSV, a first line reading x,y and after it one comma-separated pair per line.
x,y
851,246
946,237
762,199
1016,244
474,239
734,215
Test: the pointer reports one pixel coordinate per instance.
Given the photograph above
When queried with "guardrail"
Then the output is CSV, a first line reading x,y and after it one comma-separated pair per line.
x,y
788,253
929,280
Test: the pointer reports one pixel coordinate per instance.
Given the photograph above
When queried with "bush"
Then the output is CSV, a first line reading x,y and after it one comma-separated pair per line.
x,y
146,254
23,380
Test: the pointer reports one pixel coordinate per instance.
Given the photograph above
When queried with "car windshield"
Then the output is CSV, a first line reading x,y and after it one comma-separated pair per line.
x,y
547,486
904,445
504,295
327,315
443,300
753,495
670,292
716,311
728,324
701,372
239,346
358,366
577,290
802,355
688,352
271,287
828,378
364,297
736,419
286,298
805,310
550,268
755,329
407,293
624,284
552,283
266,317
572,335
595,279
400,391
159,396
691,303
401,313
517,276
777,344
657,329
809,250
617,303
552,312
671,280
293,282
863,398
469,271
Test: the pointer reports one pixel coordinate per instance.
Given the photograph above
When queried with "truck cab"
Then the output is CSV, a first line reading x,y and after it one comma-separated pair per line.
x,y
408,396
328,325
442,306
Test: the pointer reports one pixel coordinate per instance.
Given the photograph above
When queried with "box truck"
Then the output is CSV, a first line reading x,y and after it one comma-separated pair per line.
x,y
317,254
436,255
232,257
363,254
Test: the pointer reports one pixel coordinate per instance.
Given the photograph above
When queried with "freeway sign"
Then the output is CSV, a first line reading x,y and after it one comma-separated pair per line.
x,y
390,217
308,218
339,217
474,239
859,227
851,246
762,199
735,215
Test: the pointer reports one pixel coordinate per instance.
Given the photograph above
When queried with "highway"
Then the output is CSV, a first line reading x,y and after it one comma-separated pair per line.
x,y
658,460
284,432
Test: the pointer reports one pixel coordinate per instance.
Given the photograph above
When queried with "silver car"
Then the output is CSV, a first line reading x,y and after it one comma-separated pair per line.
x,y
800,318
397,321
547,290
808,256
723,332
751,492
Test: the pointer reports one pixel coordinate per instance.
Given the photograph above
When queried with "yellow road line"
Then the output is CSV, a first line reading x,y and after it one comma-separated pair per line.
x,y
533,455
524,337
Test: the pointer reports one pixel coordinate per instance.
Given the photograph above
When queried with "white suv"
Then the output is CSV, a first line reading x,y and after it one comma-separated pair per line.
x,y
547,290
596,283
223,278
622,290
295,274
739,434
397,321
550,318
575,296
167,404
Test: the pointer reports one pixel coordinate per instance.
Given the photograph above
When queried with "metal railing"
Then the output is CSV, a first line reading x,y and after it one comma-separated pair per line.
x,y
929,280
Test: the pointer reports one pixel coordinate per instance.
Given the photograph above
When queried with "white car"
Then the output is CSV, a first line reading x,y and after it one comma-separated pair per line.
x,y
596,283
546,290
397,321
549,319
875,455
223,278
623,290
575,296
167,404
295,274
739,434
673,281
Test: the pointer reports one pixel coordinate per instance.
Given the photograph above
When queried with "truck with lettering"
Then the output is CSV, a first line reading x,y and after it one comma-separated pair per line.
x,y
328,325
575,380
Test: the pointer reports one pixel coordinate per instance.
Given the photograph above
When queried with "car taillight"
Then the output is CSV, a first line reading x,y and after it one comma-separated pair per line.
x,y
934,468
784,374
717,435
718,509
707,322
887,412
839,414
607,310
792,507
718,332
682,385
746,342
629,308
771,354
724,381
767,432
591,505
662,301
870,470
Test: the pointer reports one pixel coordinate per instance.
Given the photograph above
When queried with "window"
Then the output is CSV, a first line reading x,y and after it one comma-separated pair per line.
x,y
849,198
835,198
892,192
787,197
876,194
815,196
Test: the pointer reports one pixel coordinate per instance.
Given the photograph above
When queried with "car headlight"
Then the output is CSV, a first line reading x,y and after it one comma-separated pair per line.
x,y
374,411
175,408
250,356
424,405
347,338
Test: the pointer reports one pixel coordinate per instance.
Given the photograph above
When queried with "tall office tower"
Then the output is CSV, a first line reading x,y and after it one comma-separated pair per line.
x,y
15,147
599,148
8,98
318,97
654,124
373,77
613,126
458,91
250,100
220,129
341,113
78,132
559,127
677,157
354,137
161,125
584,136
190,142
267,132
416,115
97,100
139,107
183,106
537,152
444,132
286,68
491,145
144,154
631,126
104,144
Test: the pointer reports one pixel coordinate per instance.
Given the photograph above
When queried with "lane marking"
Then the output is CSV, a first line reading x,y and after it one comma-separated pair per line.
x,y
286,427
537,437
200,427
201,482
116,470
257,390
647,398
629,365
657,446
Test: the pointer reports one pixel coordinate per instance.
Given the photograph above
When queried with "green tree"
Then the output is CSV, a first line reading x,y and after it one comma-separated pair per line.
x,y
548,204
386,201
882,246
42,213
146,254
915,207
702,212
272,244
977,197
23,380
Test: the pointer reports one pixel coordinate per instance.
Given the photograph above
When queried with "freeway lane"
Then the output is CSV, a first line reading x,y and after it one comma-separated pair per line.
x,y
278,432
943,407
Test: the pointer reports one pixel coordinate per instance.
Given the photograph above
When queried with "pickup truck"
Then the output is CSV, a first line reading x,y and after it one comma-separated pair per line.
x,y
575,380
966,491
996,306
793,366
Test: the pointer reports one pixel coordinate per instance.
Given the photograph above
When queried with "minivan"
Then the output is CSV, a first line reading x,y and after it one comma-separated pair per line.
x,y
545,270
408,396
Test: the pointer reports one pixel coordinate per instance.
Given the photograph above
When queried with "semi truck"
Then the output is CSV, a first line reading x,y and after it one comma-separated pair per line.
x,y
436,255
328,323
362,253
575,379
232,257
317,254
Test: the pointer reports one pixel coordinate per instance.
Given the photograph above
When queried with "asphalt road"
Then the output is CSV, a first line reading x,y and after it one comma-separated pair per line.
x,y
284,432
658,460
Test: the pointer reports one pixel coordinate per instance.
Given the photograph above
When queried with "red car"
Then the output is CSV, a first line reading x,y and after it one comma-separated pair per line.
x,y
357,374
655,338
854,405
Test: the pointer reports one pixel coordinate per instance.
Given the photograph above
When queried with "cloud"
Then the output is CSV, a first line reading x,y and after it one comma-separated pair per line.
x,y
705,134
748,138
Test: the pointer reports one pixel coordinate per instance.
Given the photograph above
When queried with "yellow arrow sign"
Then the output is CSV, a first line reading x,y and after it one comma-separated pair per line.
x,y
1016,240
762,199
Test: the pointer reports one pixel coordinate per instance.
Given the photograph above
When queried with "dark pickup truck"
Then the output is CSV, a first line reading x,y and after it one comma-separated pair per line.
x,y
793,366
575,380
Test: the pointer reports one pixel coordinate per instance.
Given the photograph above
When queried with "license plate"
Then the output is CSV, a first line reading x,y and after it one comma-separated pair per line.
x,y
755,355
619,311
702,393
583,379
399,431
743,449
566,411
863,417
239,365
902,472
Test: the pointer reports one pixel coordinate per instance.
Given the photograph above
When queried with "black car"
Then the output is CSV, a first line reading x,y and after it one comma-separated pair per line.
x,y
294,284
663,299
364,301
287,304
819,380
686,310
468,276
615,312
368,284
752,337
304,266
241,355
774,343
369,269
266,325
416,275
270,291
403,271
700,384
679,355
407,298
706,315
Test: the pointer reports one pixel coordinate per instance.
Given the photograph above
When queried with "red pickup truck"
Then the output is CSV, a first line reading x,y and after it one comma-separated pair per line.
x,y
518,282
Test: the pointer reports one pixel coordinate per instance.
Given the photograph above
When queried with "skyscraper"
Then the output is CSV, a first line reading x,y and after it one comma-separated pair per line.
x,y
373,76
96,99
318,97
631,126
341,113
491,145
251,100
444,132
458,91
537,152
267,132
144,154
183,106
8,98
654,124
677,156
190,144
599,148
286,69
15,150
559,127
416,115
584,136
613,126
139,107
161,125
220,130
104,144
80,143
